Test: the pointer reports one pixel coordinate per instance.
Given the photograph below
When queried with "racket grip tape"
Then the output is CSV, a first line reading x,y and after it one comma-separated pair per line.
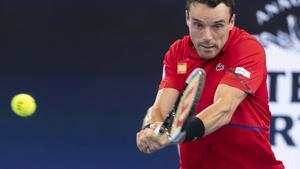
x,y
160,130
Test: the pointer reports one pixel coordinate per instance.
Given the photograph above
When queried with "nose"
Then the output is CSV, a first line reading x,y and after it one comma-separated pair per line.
x,y
207,35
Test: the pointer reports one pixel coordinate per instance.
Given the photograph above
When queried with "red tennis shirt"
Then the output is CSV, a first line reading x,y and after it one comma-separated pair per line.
x,y
244,142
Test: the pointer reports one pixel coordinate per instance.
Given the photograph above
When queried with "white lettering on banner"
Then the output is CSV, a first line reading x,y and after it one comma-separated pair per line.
x,y
282,126
295,2
274,8
284,5
284,95
282,48
287,40
283,123
275,78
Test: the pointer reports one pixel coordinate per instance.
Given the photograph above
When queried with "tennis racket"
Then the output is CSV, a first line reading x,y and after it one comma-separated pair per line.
x,y
174,124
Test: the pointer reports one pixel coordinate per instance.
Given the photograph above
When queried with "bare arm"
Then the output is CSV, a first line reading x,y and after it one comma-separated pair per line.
x,y
164,102
226,100
218,114
147,141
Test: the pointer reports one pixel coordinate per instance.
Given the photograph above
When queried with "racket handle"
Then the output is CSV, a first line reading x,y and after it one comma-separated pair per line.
x,y
176,138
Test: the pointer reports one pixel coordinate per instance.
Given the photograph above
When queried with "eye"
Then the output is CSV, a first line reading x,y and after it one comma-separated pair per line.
x,y
218,26
198,25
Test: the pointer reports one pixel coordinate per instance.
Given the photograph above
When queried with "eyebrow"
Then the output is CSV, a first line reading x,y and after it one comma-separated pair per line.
x,y
218,21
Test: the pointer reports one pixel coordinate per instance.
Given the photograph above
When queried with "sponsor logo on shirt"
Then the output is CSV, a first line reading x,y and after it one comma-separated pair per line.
x,y
181,68
242,71
219,67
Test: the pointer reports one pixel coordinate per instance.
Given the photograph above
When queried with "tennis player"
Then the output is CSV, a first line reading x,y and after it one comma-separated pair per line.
x,y
231,126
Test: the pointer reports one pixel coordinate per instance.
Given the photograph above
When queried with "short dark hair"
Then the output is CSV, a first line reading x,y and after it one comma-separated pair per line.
x,y
212,4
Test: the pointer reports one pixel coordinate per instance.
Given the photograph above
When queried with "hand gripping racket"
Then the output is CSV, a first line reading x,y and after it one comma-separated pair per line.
x,y
174,124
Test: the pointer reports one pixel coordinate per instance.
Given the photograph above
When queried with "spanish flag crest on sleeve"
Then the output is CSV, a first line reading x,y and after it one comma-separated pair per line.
x,y
181,68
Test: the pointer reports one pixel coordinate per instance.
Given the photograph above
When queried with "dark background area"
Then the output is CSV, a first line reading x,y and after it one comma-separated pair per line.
x,y
93,68
93,38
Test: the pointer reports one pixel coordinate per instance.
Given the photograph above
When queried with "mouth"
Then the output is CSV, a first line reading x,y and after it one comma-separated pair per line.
x,y
207,46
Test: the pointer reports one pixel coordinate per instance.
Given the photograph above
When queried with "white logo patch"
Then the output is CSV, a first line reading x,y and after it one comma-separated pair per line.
x,y
243,71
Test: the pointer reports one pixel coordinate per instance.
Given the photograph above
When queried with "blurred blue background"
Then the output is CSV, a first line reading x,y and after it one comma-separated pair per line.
x,y
93,68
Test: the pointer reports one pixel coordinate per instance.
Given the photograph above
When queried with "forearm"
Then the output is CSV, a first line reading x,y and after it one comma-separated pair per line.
x,y
207,121
153,115
215,116
220,112
163,104
147,140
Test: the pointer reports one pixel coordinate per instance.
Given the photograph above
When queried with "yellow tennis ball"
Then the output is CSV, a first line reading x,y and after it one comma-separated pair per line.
x,y
23,105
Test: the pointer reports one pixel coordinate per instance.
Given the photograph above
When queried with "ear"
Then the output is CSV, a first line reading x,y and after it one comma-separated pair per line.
x,y
232,21
187,18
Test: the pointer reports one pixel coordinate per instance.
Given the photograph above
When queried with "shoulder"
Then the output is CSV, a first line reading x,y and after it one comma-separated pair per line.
x,y
181,44
242,39
180,48
243,45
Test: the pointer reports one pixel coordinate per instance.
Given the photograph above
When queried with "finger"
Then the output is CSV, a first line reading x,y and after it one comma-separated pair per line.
x,y
145,144
155,125
152,141
140,142
153,146
149,142
150,135
148,150
158,142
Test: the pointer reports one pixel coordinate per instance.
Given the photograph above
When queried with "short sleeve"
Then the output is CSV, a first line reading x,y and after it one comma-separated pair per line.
x,y
247,67
169,75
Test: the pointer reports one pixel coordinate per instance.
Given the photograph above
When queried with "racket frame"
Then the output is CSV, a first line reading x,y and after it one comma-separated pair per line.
x,y
166,126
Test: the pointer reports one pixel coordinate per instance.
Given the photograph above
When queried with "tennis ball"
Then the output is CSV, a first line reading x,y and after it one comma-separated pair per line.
x,y
23,105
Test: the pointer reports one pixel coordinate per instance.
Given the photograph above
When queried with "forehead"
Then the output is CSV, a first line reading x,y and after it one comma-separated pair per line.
x,y
207,14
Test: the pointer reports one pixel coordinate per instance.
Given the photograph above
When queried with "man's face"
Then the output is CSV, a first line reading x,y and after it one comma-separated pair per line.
x,y
209,28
